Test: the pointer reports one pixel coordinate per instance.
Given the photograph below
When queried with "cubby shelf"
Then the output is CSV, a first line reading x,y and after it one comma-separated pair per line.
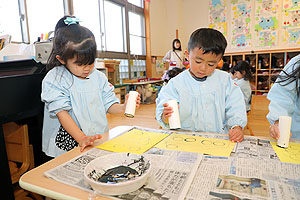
x,y
265,66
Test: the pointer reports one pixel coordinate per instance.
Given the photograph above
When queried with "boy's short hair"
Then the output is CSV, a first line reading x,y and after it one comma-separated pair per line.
x,y
209,40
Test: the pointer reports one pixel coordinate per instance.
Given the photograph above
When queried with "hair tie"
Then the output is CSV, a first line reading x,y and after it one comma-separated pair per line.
x,y
71,20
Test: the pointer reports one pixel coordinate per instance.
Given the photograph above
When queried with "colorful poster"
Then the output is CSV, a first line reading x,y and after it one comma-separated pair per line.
x,y
222,27
291,37
266,38
266,7
241,41
217,11
240,24
266,23
291,18
289,5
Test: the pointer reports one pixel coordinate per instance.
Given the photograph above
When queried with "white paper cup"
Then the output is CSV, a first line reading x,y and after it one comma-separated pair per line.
x,y
174,120
131,104
284,130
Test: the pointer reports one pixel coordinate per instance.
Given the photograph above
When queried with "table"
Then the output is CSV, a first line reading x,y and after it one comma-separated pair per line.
x,y
35,181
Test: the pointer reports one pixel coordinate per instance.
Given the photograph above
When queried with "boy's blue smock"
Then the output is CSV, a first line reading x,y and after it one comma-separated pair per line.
x,y
206,106
284,100
87,102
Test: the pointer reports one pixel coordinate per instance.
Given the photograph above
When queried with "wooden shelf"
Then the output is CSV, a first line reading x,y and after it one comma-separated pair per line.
x,y
262,62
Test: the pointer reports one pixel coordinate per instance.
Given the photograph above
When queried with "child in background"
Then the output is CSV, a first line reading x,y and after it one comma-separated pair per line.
x,y
174,56
77,97
209,101
241,74
284,99
171,74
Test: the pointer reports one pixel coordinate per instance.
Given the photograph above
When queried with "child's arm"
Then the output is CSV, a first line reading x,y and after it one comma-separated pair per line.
x,y
71,127
235,111
120,108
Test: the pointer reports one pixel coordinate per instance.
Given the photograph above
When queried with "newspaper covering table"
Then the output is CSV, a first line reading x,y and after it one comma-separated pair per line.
x,y
252,172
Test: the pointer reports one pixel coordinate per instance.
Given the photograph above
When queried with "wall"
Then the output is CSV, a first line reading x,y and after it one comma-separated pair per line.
x,y
168,15
190,15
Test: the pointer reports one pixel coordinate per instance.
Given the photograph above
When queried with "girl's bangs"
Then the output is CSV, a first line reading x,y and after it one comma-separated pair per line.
x,y
85,52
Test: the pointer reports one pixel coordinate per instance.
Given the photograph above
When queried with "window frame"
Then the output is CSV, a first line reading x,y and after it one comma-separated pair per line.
x,y
68,10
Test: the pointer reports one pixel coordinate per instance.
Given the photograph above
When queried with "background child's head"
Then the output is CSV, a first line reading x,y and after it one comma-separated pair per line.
x,y
176,45
172,73
225,67
72,41
241,70
206,48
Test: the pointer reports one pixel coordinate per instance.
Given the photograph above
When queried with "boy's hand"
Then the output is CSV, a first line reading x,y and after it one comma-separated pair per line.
x,y
236,134
274,131
167,112
86,141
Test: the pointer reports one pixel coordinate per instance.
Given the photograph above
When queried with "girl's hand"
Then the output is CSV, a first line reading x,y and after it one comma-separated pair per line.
x,y
274,131
167,112
138,100
86,141
236,134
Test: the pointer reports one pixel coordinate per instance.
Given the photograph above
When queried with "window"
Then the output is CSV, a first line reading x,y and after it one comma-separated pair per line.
x,y
113,27
137,34
10,20
88,13
138,3
43,18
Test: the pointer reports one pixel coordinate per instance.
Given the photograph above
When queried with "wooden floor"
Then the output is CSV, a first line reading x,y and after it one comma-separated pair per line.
x,y
145,117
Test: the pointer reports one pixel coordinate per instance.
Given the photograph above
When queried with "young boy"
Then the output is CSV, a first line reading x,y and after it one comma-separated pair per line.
x,y
209,101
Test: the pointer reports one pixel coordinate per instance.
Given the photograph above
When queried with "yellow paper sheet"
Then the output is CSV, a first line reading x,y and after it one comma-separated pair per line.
x,y
134,141
290,154
188,143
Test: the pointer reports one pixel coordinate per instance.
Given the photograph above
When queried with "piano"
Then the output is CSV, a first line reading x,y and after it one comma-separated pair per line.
x,y
20,91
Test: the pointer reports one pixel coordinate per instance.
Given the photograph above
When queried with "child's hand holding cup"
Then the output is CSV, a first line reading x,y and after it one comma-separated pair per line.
x,y
173,117
284,131
131,104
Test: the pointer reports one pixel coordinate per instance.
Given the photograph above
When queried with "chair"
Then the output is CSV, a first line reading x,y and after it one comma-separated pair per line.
x,y
20,156
257,115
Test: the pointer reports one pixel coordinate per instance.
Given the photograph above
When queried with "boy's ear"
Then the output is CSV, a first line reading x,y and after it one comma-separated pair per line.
x,y
60,60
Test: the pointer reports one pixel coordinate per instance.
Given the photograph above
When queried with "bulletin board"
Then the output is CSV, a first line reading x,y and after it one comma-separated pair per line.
x,y
256,24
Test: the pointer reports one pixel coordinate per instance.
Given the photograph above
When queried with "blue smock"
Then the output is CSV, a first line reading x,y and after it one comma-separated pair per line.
x,y
86,100
284,100
213,105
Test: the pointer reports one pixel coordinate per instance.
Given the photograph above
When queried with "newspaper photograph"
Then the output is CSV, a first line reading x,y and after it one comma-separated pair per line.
x,y
241,187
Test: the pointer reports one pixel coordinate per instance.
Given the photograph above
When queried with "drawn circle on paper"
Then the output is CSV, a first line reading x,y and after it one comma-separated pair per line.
x,y
219,143
177,138
190,139
206,142
171,146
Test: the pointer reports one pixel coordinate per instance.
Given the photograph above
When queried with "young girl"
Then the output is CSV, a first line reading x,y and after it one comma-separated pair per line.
x,y
77,97
241,73
174,56
284,98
